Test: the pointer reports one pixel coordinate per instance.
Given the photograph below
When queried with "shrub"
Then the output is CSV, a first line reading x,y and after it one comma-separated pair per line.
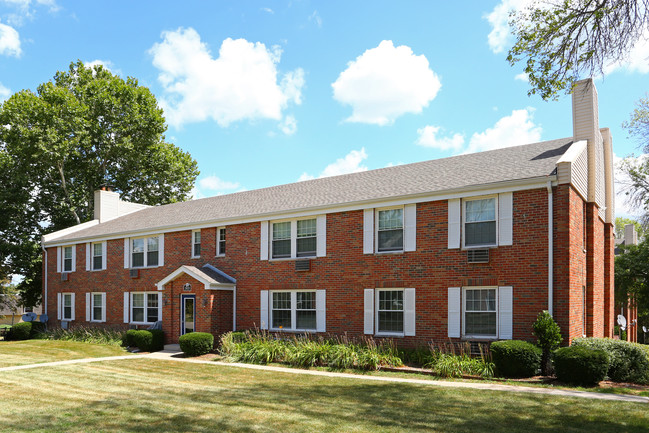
x,y
129,338
21,331
580,365
548,336
628,361
38,328
149,340
196,343
515,358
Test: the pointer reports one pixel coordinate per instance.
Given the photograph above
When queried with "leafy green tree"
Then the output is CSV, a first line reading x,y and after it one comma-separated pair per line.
x,y
621,222
84,129
632,278
637,169
560,41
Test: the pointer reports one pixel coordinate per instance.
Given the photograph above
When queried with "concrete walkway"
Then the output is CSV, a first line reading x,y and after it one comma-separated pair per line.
x,y
174,355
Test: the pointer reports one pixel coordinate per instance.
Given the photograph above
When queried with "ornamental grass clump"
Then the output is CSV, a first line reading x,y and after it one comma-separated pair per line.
x,y
86,334
455,360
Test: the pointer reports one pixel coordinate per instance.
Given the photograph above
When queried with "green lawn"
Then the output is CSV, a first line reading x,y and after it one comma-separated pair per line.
x,y
38,351
146,395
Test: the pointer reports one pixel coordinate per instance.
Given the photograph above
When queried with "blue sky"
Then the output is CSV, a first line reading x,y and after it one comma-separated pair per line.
x,y
269,92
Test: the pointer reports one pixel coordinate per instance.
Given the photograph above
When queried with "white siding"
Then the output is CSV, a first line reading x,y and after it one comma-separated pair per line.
x,y
505,313
505,218
368,231
368,316
454,223
454,311
410,227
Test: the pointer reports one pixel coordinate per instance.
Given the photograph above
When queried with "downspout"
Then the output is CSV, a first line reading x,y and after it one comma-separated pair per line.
x,y
234,309
45,282
550,249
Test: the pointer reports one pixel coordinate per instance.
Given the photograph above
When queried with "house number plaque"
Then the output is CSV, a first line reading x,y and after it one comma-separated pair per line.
x,y
187,287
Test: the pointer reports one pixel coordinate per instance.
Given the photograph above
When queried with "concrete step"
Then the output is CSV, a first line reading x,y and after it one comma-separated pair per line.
x,y
172,348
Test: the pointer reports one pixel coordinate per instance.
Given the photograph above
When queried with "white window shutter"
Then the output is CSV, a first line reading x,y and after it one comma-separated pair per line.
x,y
410,227
263,308
74,258
409,316
263,241
321,233
369,311
160,306
58,261
505,218
454,311
104,307
126,309
505,312
59,307
87,307
454,222
127,254
104,257
74,305
321,310
368,232
88,255
161,250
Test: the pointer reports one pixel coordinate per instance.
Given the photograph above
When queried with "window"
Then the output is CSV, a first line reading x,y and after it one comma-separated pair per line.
x,y
480,222
97,256
67,304
281,240
144,307
480,314
144,252
67,259
196,243
390,230
220,245
390,311
306,238
293,310
97,307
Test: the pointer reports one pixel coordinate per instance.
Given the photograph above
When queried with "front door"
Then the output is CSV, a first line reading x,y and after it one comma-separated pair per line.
x,y
187,314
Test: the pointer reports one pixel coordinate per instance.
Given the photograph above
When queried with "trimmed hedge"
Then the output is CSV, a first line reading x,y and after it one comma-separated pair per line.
x,y
515,358
148,340
580,365
628,361
37,329
21,331
129,338
196,343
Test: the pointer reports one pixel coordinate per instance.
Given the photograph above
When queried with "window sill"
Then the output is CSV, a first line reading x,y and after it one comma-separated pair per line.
x,y
141,323
97,321
389,334
288,259
479,337
385,253
220,255
144,267
293,331
96,270
479,247
196,257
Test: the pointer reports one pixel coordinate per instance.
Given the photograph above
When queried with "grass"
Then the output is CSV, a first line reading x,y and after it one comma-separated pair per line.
x,y
146,395
39,351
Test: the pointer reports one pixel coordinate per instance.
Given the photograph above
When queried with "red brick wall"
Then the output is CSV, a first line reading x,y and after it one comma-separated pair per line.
x,y
345,272
594,272
609,279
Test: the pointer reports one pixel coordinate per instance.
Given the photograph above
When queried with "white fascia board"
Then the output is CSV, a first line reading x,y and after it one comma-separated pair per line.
x,y
219,286
469,191
53,236
573,152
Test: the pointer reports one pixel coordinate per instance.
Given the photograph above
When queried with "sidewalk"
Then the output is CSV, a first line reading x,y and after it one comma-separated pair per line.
x,y
173,355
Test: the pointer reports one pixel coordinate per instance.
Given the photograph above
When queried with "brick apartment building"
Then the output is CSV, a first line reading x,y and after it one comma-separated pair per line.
x,y
469,247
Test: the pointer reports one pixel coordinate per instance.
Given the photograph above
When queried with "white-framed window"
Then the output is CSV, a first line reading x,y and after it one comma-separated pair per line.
x,y
389,233
480,224
67,306
144,252
480,312
389,311
97,256
97,307
293,310
68,259
196,243
145,307
294,238
220,241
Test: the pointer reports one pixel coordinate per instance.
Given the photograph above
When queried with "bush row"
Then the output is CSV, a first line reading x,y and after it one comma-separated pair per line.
x,y
147,340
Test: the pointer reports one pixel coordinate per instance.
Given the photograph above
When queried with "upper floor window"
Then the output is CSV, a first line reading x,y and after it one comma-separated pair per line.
x,y
294,238
281,244
67,259
306,238
390,230
144,252
196,243
480,222
220,245
97,256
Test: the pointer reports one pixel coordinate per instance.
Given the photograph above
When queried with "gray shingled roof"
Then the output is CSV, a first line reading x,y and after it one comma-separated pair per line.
x,y
434,176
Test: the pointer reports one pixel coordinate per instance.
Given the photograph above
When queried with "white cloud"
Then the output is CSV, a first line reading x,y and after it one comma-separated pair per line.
x,y
107,64
4,93
25,9
314,17
513,130
637,60
9,41
214,183
386,82
268,10
522,77
500,38
428,138
289,125
240,84
351,163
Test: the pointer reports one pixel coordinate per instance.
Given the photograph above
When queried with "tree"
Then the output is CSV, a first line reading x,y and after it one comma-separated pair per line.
x,y
632,278
548,336
637,169
563,40
84,129
621,222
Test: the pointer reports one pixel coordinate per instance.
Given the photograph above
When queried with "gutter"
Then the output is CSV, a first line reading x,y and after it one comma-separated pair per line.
x,y
550,249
